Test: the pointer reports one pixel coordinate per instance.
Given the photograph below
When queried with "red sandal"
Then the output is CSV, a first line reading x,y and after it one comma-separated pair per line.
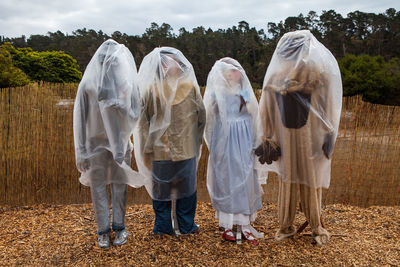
x,y
228,235
247,235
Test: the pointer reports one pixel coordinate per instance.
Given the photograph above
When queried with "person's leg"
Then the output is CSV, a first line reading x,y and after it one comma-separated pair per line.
x,y
101,208
287,202
311,206
119,198
99,192
163,222
118,194
185,212
102,212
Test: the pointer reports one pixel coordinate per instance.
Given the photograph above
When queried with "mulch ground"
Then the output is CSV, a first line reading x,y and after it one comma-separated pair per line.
x,y
65,235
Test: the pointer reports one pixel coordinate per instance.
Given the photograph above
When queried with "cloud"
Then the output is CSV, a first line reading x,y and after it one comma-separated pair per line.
x,y
26,17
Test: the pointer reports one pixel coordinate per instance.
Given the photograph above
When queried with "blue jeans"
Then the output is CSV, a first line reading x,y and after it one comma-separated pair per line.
x,y
185,212
174,179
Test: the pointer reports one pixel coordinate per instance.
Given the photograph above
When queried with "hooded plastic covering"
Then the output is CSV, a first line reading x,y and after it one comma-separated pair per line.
x,y
106,110
230,136
300,108
169,127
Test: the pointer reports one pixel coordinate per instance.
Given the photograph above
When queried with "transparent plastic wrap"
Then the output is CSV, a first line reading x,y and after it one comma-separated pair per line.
x,y
300,110
171,125
230,135
106,110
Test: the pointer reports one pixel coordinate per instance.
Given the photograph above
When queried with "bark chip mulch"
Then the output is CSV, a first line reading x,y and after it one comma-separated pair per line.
x,y
66,235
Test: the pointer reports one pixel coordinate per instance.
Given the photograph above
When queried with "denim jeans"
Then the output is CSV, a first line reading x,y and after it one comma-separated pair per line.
x,y
185,212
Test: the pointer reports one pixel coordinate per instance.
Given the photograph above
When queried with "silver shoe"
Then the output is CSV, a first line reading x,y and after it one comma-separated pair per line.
x,y
104,240
120,237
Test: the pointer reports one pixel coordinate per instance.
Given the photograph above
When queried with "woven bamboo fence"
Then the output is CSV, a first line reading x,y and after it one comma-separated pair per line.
x,y
37,162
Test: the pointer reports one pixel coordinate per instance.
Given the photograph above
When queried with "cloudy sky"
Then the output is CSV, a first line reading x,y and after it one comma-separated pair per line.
x,y
26,17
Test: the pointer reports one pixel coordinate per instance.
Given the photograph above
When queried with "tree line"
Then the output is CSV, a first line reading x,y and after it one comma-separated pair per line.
x,y
359,39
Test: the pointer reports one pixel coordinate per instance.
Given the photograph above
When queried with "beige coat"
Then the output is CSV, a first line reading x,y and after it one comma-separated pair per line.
x,y
302,164
302,160
183,137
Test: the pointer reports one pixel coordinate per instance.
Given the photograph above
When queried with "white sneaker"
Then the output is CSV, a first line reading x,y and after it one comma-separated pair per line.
x,y
104,240
120,237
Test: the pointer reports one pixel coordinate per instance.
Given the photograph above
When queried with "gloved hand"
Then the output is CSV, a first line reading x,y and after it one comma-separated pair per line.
x,y
327,147
268,152
83,165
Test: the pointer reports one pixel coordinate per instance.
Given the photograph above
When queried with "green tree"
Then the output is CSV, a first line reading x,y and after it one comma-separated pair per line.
x,y
372,77
10,76
356,33
49,66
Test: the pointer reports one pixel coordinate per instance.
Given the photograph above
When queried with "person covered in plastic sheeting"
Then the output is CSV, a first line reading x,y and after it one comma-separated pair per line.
x,y
299,116
169,136
107,107
230,136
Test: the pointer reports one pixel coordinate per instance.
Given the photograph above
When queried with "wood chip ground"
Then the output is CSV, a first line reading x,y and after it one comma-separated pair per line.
x,y
66,235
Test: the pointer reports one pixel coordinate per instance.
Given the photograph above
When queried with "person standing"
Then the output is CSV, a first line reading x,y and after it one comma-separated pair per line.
x,y
299,119
106,110
232,179
169,137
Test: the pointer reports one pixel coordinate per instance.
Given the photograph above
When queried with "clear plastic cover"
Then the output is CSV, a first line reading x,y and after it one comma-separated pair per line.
x,y
171,125
106,109
230,135
300,110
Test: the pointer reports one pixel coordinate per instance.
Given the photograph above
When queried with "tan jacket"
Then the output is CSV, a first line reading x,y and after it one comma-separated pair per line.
x,y
183,137
302,159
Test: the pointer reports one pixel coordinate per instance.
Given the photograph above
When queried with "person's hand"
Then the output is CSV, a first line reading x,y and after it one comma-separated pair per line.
x,y
327,147
268,152
83,165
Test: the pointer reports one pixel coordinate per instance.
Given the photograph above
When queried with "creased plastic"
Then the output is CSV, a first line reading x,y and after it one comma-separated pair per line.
x,y
171,125
106,110
300,109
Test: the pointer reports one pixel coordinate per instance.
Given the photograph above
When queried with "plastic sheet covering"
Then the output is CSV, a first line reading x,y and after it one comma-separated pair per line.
x,y
231,138
300,109
107,107
171,125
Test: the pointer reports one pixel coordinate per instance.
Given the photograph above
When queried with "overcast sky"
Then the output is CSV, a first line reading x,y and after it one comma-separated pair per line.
x,y
26,17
